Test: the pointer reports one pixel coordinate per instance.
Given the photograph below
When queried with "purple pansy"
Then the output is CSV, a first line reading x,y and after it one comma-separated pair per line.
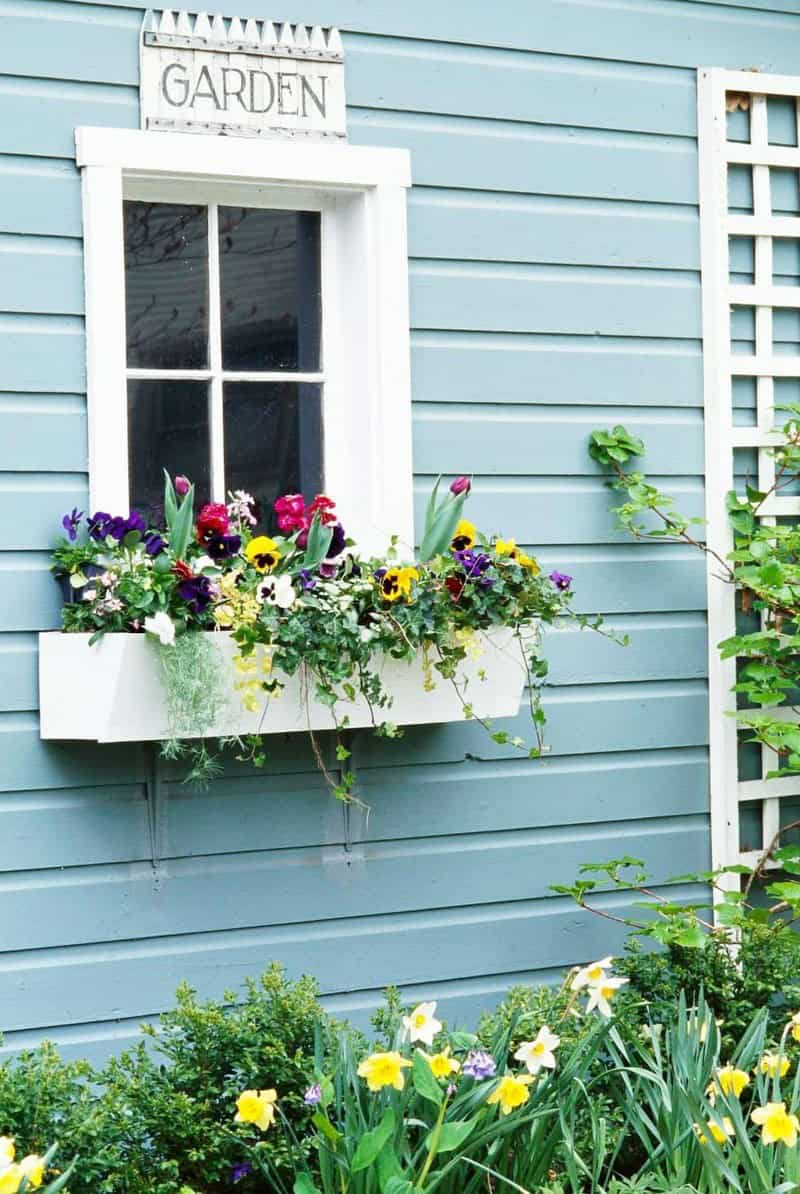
x,y
70,523
154,544
222,547
473,562
337,542
244,1169
98,525
196,592
560,580
308,581
313,1095
479,1064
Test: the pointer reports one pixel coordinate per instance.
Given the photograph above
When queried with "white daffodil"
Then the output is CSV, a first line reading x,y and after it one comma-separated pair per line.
x,y
538,1054
592,974
162,627
600,996
422,1024
277,590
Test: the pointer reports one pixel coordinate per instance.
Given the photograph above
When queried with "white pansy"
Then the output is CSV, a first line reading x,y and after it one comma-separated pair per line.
x,y
600,996
422,1024
162,627
591,975
538,1054
204,562
277,590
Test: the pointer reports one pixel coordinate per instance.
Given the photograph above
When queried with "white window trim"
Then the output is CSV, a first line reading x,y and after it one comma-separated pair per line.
x,y
361,192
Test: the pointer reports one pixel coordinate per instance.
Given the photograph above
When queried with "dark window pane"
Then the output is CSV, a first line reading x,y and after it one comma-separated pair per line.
x,y
269,261
273,441
167,429
166,285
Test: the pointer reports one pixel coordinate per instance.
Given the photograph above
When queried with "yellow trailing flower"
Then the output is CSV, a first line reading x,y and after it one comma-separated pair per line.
x,y
730,1081
256,1107
511,1092
464,536
384,1069
719,1133
774,1065
397,582
262,552
777,1125
442,1064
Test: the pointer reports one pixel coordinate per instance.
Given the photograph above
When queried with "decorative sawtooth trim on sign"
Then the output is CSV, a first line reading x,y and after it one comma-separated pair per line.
x,y
184,30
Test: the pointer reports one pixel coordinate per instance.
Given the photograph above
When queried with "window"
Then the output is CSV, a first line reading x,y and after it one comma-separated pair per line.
x,y
247,323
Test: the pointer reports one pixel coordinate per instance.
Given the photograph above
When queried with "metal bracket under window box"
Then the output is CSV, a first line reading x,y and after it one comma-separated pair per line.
x,y
113,692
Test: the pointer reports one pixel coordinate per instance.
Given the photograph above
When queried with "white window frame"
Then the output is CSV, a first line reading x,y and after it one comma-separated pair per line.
x,y
720,366
361,195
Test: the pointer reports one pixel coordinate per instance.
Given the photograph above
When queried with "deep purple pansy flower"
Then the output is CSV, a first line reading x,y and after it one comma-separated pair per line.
x,y
196,592
119,527
70,523
473,562
313,1095
98,525
154,544
479,1064
337,542
244,1169
222,547
308,581
560,580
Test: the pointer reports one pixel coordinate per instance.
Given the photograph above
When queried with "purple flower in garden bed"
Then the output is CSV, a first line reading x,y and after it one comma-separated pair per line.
x,y
479,1064
222,547
70,523
308,581
154,544
560,580
244,1169
313,1095
98,525
337,542
196,592
473,562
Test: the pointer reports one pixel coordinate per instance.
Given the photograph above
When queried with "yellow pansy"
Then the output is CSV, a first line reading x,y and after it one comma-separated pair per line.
x,y
511,1092
32,1167
256,1107
397,582
263,553
442,1064
774,1064
777,1125
719,1133
464,536
732,1081
528,562
384,1069
506,547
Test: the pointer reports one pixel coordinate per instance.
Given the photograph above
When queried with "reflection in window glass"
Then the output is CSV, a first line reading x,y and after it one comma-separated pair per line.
x,y
270,269
166,285
167,429
273,441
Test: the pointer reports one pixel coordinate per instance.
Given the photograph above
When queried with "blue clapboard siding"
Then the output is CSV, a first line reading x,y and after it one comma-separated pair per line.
x,y
554,273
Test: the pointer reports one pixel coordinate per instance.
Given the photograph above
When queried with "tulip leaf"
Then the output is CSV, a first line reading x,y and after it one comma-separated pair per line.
x,y
452,1135
438,536
319,540
304,1185
430,510
179,518
424,1082
372,1142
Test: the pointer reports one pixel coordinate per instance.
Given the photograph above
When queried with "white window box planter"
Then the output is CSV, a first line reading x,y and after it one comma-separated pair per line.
x,y
112,691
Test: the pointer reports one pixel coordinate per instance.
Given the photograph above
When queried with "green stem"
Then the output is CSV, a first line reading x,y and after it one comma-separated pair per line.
x,y
433,1147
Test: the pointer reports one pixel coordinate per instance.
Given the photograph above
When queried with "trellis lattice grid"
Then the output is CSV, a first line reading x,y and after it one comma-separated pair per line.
x,y
745,150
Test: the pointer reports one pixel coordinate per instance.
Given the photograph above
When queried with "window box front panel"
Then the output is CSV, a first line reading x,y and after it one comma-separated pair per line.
x,y
113,691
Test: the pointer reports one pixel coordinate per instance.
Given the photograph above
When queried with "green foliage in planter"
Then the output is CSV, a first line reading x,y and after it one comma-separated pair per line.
x,y
171,1107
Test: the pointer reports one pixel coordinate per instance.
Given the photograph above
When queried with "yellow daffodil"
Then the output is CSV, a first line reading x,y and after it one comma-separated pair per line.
x,y
600,996
591,975
384,1069
256,1107
731,1081
538,1054
421,1024
442,1064
774,1065
263,553
511,1092
397,582
32,1167
7,1150
719,1133
777,1125
464,536
10,1179
794,1026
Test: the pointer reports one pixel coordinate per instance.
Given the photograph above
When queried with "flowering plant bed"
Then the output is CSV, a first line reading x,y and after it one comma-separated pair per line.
x,y
206,628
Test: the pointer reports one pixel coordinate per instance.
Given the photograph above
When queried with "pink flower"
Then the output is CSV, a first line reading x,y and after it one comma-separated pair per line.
x,y
324,506
460,485
212,520
291,511
182,485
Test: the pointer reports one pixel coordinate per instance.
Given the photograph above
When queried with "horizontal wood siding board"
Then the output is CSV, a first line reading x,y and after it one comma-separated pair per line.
x,y
44,354
360,955
42,432
39,196
82,905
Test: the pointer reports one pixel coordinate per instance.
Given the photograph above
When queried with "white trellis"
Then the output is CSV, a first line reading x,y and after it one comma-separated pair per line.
x,y
721,366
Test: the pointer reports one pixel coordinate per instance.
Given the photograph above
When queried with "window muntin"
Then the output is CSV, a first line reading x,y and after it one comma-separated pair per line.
x,y
224,350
